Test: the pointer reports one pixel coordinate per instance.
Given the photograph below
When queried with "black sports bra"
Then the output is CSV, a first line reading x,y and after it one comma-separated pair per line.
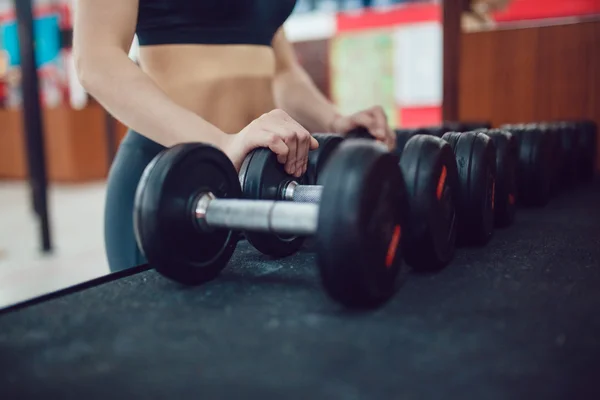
x,y
210,21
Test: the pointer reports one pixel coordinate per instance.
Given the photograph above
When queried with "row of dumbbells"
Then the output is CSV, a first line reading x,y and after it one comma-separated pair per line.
x,y
367,209
553,156
463,184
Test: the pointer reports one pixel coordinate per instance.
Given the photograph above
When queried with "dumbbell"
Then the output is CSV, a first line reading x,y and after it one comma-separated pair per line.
x,y
453,126
189,206
570,148
434,130
476,206
535,168
262,177
558,157
437,131
505,193
469,126
431,178
578,139
317,159
475,157
476,161
588,142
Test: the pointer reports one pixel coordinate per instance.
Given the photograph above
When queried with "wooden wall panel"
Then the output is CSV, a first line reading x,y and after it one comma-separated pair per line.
x,y
89,141
12,146
531,74
475,86
594,91
514,75
74,142
563,78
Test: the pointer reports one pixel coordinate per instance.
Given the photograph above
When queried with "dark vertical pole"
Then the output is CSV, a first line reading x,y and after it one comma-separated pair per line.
x,y
32,119
111,137
451,15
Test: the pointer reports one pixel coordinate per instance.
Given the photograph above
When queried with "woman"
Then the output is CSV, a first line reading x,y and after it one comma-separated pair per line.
x,y
213,71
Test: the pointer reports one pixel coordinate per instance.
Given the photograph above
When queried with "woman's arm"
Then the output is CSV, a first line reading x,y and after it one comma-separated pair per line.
x,y
102,35
296,93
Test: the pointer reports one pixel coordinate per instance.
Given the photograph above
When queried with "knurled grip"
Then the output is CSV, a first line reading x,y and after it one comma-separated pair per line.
x,y
307,194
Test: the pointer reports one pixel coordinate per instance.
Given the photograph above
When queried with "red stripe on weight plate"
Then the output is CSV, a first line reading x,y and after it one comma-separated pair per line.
x,y
391,253
441,182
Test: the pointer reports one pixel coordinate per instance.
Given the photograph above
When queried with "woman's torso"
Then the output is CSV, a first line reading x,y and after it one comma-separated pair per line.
x,y
213,56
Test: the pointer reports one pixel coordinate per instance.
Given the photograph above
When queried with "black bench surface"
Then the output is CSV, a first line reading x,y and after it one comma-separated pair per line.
x,y
517,319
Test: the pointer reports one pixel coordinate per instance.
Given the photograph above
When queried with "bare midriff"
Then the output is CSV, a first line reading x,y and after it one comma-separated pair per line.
x,y
227,85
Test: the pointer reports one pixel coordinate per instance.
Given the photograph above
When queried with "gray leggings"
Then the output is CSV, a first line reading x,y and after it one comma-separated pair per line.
x,y
134,154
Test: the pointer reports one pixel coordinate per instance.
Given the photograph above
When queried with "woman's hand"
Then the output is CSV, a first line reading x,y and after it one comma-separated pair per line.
x,y
373,119
277,131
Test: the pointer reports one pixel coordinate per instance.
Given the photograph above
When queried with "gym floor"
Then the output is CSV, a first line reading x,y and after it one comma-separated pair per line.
x,y
516,319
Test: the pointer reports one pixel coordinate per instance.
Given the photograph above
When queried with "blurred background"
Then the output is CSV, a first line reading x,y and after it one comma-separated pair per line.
x,y
517,61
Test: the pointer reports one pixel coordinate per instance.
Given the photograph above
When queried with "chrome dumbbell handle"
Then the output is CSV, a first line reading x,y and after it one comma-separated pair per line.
x,y
281,217
303,193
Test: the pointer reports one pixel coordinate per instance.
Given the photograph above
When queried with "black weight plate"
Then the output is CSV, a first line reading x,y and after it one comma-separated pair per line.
x,y
402,137
476,126
429,170
553,132
534,174
359,133
587,141
262,177
453,126
590,138
569,139
165,206
437,131
525,168
475,155
543,159
507,156
318,159
361,219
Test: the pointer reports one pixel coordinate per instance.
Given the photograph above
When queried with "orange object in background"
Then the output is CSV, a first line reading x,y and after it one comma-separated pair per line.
x,y
530,10
75,144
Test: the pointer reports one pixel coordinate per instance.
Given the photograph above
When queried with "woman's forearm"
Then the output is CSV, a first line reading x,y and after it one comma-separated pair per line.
x,y
296,94
126,92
